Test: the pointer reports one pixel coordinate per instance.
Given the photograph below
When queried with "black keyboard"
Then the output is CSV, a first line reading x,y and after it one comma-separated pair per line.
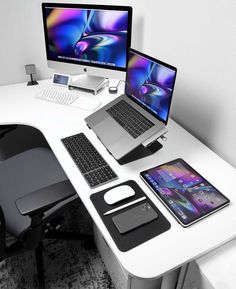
x,y
91,164
129,118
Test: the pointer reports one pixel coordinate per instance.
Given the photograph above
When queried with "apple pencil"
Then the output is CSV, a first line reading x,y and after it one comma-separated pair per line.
x,y
124,206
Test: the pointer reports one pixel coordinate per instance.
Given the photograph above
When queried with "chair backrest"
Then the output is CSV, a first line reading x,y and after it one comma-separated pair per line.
x,y
22,174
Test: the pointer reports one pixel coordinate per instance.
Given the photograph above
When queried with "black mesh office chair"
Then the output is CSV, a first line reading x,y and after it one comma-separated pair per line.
x,y
6,128
34,191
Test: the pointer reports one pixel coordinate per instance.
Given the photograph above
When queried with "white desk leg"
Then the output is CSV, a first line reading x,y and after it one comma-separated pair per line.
x,y
170,280
137,283
120,278
195,279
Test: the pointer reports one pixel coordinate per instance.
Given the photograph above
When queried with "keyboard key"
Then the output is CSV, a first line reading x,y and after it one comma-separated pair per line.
x,y
58,96
94,168
129,118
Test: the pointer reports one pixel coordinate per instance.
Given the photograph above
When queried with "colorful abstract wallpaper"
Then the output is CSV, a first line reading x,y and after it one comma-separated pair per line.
x,y
187,193
151,84
92,36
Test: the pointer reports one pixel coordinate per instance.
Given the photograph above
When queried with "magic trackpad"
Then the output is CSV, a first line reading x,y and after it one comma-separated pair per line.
x,y
108,130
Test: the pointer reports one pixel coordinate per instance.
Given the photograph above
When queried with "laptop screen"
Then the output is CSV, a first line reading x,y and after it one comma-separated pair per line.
x,y
150,83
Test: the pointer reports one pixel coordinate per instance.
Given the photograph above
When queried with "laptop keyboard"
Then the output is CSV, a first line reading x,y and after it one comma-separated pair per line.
x,y
129,118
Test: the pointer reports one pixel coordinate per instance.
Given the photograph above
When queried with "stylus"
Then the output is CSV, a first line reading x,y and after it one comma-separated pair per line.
x,y
124,206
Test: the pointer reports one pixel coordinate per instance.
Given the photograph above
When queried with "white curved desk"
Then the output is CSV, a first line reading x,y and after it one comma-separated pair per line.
x,y
167,251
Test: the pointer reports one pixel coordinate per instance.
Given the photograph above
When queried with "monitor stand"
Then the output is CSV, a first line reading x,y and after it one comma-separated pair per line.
x,y
32,81
89,83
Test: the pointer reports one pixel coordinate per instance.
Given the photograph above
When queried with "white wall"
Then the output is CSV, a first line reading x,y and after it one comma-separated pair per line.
x,y
199,37
21,40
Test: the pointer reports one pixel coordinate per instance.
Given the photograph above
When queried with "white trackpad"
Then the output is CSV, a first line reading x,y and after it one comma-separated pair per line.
x,y
86,103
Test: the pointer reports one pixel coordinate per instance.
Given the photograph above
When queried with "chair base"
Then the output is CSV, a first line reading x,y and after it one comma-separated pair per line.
x,y
62,235
39,264
59,235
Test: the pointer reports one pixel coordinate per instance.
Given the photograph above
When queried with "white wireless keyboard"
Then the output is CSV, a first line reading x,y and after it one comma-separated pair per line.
x,y
58,96
68,98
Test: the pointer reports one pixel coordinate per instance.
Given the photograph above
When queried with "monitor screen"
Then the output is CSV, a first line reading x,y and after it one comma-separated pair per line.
x,y
150,83
91,35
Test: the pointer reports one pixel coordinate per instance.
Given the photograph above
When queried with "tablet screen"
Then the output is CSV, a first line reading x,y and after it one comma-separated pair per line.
x,y
185,192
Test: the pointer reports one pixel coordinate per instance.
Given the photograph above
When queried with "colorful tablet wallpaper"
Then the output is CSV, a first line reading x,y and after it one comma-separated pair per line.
x,y
187,194
90,36
151,84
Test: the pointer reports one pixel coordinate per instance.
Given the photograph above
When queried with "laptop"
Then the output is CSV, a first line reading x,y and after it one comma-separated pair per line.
x,y
140,115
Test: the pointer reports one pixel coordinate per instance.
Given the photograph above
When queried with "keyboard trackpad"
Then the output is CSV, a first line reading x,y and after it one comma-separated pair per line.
x,y
108,131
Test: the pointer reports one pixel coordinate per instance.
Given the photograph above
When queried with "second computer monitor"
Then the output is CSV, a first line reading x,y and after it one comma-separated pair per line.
x,y
91,39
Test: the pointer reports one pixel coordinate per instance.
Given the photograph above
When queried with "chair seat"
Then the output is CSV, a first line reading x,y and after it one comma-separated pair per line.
x,y
22,174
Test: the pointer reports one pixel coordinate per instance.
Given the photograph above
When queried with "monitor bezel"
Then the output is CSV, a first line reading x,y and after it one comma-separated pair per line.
x,y
89,6
138,102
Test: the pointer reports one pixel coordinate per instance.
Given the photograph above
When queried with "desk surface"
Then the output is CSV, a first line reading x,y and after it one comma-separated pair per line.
x,y
167,251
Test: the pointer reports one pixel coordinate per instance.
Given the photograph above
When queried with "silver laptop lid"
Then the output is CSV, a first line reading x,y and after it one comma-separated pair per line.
x,y
150,83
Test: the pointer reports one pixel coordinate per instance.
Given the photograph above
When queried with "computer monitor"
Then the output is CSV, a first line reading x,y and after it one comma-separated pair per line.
x,y
87,39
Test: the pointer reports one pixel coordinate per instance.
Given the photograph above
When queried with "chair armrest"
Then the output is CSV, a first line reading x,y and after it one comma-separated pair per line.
x,y
44,199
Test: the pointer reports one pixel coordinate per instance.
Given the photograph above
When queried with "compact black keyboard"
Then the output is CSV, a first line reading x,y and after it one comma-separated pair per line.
x,y
90,163
129,118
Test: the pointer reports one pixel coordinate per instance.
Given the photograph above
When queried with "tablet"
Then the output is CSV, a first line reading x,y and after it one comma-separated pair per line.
x,y
187,195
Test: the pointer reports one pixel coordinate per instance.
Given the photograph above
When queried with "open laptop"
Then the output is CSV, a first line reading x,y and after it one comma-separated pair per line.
x,y
140,114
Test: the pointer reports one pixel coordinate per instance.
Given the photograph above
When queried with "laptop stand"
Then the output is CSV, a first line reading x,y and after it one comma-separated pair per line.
x,y
140,152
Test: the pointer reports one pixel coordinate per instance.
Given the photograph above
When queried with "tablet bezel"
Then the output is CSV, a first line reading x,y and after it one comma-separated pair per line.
x,y
227,202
